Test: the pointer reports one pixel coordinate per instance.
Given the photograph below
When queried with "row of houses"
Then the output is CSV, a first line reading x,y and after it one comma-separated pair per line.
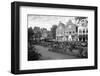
x,y
72,32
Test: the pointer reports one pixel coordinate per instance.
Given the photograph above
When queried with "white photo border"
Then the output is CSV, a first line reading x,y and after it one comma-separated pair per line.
x,y
26,65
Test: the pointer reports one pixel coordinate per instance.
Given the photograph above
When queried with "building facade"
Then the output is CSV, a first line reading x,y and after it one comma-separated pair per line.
x,y
83,30
66,32
72,32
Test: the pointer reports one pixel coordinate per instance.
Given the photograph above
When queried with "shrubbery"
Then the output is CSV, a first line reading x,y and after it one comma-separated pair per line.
x,y
70,48
33,54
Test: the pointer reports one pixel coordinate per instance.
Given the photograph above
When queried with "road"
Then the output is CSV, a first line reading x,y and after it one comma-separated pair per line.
x,y
51,55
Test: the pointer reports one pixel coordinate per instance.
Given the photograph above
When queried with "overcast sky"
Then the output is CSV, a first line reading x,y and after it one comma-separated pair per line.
x,y
44,21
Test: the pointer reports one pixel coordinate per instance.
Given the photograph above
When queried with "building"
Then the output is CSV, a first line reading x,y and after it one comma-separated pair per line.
x,y
60,32
44,33
83,30
71,31
66,32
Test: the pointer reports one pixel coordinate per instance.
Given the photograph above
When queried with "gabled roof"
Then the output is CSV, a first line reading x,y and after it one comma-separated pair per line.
x,y
70,23
61,26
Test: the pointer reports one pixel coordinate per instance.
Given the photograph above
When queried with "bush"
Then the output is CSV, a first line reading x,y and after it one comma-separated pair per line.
x,y
84,53
32,54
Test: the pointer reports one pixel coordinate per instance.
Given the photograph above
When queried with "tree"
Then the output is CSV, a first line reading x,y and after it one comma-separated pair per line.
x,y
33,54
43,29
36,29
30,34
44,33
78,19
53,31
37,32
49,36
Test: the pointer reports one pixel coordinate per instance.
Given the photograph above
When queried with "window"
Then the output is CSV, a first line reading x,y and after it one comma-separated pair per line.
x,y
84,31
80,31
70,32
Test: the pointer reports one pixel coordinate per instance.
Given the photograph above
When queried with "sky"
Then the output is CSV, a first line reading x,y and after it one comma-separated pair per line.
x,y
44,21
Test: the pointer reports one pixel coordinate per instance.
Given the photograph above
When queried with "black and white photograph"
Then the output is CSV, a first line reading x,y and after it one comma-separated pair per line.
x,y
52,37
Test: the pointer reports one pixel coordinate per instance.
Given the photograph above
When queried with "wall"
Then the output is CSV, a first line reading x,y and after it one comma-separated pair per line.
x,y
5,37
